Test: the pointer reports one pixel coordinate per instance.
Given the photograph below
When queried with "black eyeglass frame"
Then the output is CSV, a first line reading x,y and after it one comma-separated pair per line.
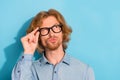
x,y
60,25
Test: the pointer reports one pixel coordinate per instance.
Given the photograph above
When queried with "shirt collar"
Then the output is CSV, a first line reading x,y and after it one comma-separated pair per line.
x,y
43,60
66,59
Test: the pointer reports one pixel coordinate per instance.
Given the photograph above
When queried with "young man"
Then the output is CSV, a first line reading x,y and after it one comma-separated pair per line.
x,y
49,34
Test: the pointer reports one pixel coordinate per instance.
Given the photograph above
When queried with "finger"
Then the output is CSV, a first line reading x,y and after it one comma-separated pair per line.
x,y
34,38
37,37
35,31
31,38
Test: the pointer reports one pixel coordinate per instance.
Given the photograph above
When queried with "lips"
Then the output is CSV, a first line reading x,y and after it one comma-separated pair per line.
x,y
52,40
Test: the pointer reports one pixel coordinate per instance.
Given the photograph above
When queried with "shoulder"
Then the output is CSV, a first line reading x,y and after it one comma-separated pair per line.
x,y
82,67
37,62
75,61
78,63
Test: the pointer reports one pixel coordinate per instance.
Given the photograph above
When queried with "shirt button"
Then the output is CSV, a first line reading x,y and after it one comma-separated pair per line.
x,y
22,57
18,71
55,72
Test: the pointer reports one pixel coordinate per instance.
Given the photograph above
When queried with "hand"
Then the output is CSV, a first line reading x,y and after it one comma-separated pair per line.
x,y
30,42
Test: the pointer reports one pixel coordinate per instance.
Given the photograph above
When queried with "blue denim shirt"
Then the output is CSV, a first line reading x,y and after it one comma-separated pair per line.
x,y
68,69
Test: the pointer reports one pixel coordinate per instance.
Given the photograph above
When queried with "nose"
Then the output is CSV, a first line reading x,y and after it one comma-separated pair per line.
x,y
51,33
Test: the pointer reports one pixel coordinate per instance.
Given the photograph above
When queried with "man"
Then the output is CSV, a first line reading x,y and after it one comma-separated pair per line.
x,y
49,34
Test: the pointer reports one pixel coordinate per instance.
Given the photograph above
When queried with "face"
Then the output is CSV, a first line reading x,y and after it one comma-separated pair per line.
x,y
52,40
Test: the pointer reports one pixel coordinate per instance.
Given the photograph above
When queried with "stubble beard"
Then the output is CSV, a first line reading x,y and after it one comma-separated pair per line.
x,y
53,45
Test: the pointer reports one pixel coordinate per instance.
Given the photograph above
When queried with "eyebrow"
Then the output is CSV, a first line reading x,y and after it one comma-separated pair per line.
x,y
51,26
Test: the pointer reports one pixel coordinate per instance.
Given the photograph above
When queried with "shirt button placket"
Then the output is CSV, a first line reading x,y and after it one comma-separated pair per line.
x,y
55,75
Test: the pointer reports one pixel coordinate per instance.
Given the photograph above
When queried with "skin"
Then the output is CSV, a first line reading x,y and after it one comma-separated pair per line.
x,y
52,42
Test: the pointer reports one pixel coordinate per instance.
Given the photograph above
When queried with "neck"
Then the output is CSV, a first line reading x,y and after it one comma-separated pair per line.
x,y
54,56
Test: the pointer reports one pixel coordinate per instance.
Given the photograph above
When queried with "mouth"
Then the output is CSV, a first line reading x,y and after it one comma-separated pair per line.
x,y
52,40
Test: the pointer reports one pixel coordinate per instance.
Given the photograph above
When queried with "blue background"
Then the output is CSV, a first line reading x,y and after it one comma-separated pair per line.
x,y
95,39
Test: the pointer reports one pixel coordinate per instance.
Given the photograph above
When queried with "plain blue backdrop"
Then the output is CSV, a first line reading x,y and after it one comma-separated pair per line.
x,y
95,39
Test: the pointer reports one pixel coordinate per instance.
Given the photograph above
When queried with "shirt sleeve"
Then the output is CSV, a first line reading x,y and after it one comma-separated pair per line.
x,y
90,74
22,70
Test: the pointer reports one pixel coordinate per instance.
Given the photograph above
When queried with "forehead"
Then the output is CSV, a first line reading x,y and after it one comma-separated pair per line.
x,y
49,21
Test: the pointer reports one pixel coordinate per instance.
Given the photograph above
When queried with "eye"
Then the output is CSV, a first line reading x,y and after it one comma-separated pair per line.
x,y
56,28
44,31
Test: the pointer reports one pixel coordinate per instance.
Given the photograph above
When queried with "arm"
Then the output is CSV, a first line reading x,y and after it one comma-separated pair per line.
x,y
23,69
90,74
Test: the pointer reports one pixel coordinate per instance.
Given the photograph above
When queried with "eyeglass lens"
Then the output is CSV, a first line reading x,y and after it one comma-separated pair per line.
x,y
54,28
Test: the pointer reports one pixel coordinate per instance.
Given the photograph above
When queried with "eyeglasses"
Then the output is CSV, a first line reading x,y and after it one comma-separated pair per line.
x,y
55,28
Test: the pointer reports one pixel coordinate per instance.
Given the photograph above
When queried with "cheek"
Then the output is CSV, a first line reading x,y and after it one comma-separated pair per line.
x,y
61,38
42,41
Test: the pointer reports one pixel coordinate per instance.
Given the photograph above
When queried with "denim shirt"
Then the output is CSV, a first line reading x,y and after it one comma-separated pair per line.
x,y
68,69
